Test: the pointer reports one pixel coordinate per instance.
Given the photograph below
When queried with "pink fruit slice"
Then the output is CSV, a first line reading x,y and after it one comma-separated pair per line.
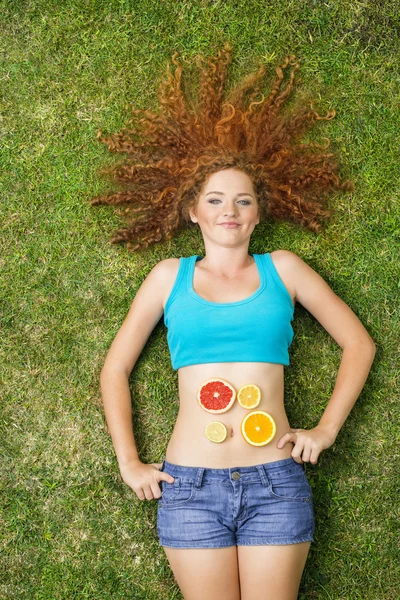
x,y
216,396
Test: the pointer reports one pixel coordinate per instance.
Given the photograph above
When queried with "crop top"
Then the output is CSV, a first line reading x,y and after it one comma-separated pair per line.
x,y
255,329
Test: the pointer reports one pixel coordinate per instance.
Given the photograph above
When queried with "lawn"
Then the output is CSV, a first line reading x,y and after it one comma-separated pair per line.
x,y
70,527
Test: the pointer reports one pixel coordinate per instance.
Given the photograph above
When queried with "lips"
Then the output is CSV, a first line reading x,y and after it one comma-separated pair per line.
x,y
230,225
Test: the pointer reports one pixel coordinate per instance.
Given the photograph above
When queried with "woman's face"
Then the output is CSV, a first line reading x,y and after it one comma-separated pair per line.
x,y
227,208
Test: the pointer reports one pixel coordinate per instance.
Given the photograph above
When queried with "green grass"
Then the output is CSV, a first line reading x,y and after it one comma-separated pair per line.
x,y
70,528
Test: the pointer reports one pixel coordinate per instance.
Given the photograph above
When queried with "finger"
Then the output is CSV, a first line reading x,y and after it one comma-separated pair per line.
x,y
306,454
296,453
157,465
314,457
148,493
140,494
165,477
288,437
297,459
155,488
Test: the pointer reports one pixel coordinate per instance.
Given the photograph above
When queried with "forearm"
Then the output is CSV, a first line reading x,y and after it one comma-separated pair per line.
x,y
353,372
118,411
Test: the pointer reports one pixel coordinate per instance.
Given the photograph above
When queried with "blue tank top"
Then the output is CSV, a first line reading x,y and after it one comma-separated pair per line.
x,y
256,329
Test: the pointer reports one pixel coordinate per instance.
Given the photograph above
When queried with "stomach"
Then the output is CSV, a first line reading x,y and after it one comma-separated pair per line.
x,y
188,445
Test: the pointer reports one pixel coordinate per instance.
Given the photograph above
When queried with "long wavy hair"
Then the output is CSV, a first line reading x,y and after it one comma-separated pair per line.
x,y
171,153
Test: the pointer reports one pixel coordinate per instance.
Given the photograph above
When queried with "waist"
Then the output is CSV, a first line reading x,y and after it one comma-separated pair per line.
x,y
246,474
268,376
189,444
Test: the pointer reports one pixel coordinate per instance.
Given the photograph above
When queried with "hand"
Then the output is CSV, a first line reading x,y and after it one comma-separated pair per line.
x,y
308,444
143,478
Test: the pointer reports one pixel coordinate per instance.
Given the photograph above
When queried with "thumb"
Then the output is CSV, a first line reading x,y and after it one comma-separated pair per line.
x,y
285,439
165,477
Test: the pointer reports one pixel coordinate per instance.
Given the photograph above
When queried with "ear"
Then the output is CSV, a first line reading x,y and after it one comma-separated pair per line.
x,y
193,217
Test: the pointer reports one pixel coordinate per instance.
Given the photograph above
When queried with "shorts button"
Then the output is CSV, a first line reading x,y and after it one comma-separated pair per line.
x,y
307,499
235,475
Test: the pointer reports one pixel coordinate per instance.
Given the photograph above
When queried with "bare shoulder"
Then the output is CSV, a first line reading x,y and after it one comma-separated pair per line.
x,y
145,312
297,275
313,292
157,283
164,275
284,259
290,265
286,263
165,268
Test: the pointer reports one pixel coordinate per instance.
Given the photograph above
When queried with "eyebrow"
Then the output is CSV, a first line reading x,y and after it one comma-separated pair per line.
x,y
222,194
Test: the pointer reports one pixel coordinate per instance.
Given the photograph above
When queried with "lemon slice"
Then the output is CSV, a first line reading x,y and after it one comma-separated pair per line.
x,y
249,396
216,432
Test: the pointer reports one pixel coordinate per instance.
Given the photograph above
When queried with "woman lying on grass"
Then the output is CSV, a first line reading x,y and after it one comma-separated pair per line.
x,y
235,514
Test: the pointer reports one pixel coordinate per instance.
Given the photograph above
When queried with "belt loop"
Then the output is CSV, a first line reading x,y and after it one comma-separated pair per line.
x,y
263,475
199,478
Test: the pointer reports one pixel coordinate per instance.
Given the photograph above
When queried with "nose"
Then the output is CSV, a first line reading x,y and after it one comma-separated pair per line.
x,y
230,209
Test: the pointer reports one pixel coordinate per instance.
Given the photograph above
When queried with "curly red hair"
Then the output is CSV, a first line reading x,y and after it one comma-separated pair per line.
x,y
170,154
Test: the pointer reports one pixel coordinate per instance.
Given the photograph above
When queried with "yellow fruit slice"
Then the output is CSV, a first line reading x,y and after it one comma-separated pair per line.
x,y
258,428
216,432
249,396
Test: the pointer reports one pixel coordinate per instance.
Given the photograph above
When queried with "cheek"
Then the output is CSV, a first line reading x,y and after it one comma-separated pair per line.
x,y
255,214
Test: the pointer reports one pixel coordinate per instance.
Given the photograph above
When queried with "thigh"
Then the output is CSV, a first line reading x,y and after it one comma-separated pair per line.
x,y
271,572
201,573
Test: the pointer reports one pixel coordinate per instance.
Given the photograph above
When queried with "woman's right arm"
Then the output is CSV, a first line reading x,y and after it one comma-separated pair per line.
x,y
143,316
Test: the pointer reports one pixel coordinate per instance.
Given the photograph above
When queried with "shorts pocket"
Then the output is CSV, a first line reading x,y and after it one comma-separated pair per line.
x,y
292,486
176,494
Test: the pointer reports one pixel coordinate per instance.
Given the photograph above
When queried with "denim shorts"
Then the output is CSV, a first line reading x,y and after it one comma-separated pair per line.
x,y
264,504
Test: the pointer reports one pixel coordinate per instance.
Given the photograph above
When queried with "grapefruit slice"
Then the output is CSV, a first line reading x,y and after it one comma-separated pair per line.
x,y
216,396
249,396
216,432
258,428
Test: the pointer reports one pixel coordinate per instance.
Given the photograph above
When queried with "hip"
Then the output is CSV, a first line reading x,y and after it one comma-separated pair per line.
x,y
257,505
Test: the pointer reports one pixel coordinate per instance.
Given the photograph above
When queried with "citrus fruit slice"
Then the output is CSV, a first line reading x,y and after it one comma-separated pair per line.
x,y
216,395
258,428
249,396
215,432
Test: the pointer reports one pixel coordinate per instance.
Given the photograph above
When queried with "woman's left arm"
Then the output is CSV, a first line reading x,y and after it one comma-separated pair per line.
x,y
358,354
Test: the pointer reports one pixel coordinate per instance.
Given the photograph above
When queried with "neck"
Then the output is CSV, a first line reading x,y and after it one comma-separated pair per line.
x,y
227,260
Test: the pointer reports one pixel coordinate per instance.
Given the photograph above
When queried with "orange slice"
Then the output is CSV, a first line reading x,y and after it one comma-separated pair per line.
x,y
258,428
216,432
216,395
249,396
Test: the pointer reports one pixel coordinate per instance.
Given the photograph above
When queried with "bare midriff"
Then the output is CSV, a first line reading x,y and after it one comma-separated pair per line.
x,y
189,446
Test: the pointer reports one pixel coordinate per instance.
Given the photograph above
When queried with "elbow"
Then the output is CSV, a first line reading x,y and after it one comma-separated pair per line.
x,y
104,377
111,372
370,344
369,348
372,348
363,346
104,373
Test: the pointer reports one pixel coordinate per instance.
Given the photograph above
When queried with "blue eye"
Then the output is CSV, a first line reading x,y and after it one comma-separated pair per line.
x,y
214,200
